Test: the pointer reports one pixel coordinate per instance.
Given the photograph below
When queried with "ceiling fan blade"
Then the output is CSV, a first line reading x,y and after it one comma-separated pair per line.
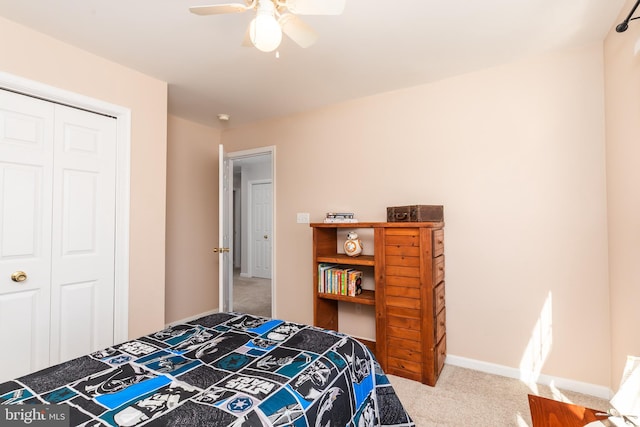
x,y
316,7
246,41
218,9
296,29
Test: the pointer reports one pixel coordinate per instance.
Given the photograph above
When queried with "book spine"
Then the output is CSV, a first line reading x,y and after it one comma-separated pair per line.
x,y
339,220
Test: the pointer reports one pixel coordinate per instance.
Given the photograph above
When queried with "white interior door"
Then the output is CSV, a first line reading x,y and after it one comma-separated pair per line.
x,y
82,274
227,162
26,129
261,213
225,232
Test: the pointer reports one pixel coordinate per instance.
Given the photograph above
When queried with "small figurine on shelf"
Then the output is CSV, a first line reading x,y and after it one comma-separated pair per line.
x,y
353,245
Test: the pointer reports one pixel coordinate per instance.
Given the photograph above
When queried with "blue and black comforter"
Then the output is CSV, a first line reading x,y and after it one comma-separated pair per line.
x,y
226,369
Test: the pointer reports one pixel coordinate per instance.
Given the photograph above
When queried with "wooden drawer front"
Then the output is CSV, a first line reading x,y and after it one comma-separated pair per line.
x,y
403,312
402,260
405,334
409,236
402,250
392,370
412,241
399,291
441,354
404,323
412,345
441,325
405,354
394,270
407,282
403,328
404,365
402,302
438,269
405,351
438,242
438,298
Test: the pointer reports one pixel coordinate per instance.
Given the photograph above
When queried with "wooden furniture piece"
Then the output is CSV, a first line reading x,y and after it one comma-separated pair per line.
x,y
552,413
409,295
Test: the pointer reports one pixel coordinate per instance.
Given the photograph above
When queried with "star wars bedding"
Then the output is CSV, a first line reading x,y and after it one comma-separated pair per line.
x,y
226,369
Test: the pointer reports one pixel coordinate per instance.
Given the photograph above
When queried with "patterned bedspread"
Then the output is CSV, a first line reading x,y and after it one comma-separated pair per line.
x,y
226,369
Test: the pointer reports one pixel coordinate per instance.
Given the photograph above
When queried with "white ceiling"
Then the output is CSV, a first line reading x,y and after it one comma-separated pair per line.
x,y
374,46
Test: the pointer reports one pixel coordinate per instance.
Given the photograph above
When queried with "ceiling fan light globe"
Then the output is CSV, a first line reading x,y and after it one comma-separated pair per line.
x,y
265,33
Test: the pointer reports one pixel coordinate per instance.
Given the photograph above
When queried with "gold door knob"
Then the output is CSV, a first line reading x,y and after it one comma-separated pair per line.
x,y
19,276
265,236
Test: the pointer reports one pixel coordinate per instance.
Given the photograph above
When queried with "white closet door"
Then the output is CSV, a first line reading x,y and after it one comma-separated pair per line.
x,y
84,183
26,129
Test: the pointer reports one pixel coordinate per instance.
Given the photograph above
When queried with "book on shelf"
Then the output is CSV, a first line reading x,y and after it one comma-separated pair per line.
x,y
336,280
338,215
339,220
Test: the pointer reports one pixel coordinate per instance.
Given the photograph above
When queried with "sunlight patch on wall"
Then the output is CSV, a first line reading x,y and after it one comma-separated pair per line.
x,y
539,346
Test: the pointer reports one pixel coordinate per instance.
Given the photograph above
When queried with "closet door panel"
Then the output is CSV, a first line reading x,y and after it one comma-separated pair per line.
x,y
25,233
83,233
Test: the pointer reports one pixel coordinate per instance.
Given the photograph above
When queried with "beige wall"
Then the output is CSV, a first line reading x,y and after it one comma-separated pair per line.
x,y
192,219
622,72
516,156
34,56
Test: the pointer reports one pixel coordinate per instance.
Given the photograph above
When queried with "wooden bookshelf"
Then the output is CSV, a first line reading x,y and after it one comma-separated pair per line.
x,y
408,273
367,297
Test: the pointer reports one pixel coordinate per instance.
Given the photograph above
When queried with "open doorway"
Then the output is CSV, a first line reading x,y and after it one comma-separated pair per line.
x,y
252,236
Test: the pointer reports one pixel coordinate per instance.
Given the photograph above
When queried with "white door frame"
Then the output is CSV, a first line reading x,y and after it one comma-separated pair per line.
x,y
250,221
123,174
251,153
225,231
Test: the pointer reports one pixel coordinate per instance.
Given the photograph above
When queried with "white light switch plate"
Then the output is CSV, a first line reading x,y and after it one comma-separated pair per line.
x,y
302,218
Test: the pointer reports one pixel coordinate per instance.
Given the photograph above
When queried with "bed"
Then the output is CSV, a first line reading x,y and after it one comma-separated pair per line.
x,y
225,369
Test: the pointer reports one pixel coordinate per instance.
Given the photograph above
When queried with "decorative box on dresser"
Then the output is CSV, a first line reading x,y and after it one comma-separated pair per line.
x,y
409,295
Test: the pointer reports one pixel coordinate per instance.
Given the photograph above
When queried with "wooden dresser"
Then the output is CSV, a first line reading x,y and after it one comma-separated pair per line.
x,y
409,295
410,301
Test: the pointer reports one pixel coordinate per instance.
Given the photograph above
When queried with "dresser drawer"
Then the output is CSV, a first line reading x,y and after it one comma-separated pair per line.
x,y
438,298
441,355
438,243
404,367
438,270
403,338
441,325
406,334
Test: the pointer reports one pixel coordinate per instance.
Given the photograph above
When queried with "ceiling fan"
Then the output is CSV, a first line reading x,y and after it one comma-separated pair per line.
x,y
274,17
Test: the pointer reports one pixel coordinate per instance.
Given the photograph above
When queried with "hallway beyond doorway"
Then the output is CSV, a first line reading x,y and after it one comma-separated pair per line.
x,y
251,295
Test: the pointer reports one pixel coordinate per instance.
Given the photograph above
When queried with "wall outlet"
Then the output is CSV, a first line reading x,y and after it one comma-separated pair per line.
x,y
302,218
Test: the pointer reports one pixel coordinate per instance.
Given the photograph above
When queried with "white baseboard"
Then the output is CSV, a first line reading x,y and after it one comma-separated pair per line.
x,y
506,371
197,316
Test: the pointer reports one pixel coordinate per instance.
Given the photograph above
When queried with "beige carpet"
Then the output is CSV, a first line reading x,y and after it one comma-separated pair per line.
x,y
464,397
252,295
